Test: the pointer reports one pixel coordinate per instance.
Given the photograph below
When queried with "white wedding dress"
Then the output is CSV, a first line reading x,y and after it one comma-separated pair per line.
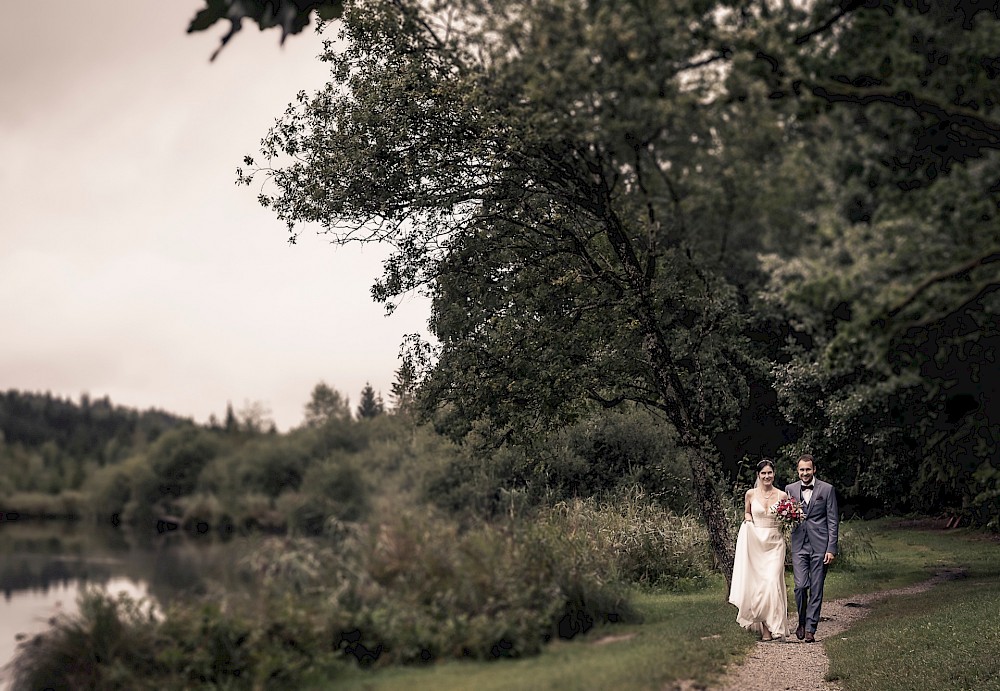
x,y
758,588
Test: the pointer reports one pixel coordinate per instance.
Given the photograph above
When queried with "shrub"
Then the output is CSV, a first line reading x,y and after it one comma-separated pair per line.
x,y
108,490
271,465
417,587
202,512
257,512
855,545
649,544
119,643
109,644
66,504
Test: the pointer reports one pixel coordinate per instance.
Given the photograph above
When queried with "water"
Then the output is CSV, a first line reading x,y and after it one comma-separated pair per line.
x,y
45,565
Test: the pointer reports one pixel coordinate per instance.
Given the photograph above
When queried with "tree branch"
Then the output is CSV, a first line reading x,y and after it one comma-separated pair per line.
x,y
905,99
957,272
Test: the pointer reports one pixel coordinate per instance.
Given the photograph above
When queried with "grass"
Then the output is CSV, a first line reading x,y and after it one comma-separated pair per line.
x,y
946,638
684,636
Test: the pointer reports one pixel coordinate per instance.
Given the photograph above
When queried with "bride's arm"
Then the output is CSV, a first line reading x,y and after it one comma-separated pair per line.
x,y
747,515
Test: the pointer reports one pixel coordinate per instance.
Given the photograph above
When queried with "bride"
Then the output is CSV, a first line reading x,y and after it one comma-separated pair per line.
x,y
758,587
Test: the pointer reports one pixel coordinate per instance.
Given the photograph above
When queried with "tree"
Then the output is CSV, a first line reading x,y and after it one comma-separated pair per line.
x,y
326,404
554,202
232,425
404,387
255,418
371,403
892,369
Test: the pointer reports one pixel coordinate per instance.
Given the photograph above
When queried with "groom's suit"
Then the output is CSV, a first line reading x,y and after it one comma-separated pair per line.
x,y
811,540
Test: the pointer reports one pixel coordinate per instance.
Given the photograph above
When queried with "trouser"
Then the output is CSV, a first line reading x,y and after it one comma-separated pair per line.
x,y
809,572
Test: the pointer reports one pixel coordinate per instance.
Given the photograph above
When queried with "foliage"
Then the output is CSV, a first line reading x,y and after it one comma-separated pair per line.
x,y
889,365
108,645
581,188
650,545
292,16
605,453
326,404
371,403
91,428
42,505
120,643
417,588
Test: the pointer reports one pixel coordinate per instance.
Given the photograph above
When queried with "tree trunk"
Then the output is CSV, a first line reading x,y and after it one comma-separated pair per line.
x,y
713,511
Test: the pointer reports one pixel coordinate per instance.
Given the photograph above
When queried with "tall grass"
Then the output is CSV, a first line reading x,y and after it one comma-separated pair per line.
x,y
649,544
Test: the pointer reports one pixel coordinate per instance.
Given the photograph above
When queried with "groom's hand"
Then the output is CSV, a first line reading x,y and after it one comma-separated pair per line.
x,y
828,558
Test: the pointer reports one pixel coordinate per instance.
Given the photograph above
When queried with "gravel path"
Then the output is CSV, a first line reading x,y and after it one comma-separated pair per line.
x,y
793,665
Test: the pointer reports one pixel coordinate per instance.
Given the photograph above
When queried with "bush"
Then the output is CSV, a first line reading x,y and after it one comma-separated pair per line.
x,y
108,490
271,465
649,544
109,644
604,454
258,512
119,643
855,546
66,504
417,587
203,512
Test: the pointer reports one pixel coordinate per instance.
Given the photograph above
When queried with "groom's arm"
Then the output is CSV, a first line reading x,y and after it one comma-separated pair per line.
x,y
832,524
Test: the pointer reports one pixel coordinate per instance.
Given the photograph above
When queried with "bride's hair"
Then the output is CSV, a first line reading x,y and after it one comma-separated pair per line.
x,y
760,466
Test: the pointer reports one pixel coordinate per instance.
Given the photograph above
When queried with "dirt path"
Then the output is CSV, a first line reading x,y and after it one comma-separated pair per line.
x,y
793,665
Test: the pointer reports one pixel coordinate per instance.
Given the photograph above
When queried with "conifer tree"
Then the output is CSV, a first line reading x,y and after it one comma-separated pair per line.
x,y
371,403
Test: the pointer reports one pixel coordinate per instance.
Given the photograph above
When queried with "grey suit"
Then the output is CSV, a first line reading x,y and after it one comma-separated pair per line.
x,y
811,540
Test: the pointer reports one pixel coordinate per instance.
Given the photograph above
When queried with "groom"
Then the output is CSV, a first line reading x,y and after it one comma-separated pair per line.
x,y
814,544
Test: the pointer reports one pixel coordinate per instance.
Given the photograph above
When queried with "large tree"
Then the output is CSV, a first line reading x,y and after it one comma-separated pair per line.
x,y
559,177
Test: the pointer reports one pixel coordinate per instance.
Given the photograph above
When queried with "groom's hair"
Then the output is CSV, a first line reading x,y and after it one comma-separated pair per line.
x,y
806,457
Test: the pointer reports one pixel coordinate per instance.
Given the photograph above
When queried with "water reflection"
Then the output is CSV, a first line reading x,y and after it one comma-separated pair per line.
x,y
45,565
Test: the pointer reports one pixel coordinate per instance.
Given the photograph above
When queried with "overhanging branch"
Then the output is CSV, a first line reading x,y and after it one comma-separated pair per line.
x,y
957,272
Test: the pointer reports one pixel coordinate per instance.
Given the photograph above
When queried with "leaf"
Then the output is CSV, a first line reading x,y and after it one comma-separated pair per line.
x,y
291,15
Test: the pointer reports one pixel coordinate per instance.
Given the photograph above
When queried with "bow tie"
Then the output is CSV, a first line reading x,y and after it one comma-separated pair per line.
x,y
809,487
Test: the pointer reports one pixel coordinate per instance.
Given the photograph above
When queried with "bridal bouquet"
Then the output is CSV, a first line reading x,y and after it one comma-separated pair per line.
x,y
788,512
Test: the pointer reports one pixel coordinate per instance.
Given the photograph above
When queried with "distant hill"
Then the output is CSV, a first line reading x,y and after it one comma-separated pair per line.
x,y
80,430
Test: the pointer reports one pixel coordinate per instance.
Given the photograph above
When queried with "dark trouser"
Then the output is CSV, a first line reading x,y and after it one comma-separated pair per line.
x,y
809,572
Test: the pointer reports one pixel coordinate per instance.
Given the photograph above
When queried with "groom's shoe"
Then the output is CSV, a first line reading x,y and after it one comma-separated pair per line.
x,y
800,632
810,637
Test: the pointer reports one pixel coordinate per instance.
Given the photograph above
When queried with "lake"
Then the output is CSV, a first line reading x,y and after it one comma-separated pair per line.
x,y
45,564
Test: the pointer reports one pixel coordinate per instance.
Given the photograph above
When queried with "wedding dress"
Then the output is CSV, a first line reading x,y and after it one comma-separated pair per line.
x,y
758,587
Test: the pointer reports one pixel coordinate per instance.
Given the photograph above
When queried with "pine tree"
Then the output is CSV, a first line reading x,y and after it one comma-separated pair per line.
x,y
404,388
371,403
231,425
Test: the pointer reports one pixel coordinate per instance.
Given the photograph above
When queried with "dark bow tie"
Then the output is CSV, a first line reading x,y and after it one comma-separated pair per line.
x,y
805,487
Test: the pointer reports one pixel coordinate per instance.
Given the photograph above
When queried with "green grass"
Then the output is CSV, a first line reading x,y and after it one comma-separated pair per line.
x,y
683,636
693,636
946,638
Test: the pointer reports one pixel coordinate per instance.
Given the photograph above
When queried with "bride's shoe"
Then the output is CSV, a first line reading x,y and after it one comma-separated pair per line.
x,y
766,635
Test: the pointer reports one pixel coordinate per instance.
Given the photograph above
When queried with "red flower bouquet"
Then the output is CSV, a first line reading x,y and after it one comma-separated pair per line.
x,y
788,512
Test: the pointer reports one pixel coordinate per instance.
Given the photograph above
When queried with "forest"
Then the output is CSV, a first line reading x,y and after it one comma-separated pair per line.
x,y
662,241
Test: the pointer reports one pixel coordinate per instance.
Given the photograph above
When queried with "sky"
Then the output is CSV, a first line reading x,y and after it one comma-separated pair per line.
x,y
131,264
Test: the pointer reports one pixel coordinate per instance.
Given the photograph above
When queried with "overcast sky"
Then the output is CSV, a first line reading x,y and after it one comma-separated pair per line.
x,y
131,265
